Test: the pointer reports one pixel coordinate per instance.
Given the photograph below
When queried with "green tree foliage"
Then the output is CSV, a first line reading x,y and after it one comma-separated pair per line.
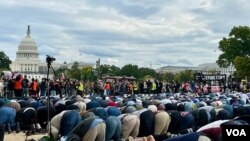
x,y
142,72
79,73
242,64
60,71
147,77
109,70
184,76
75,72
237,44
130,70
4,61
127,70
115,70
168,76
87,73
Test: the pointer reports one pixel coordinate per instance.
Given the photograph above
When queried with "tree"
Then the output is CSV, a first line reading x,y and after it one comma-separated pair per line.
x,y
237,44
60,71
4,61
168,76
184,76
130,70
87,73
242,64
75,71
142,72
109,70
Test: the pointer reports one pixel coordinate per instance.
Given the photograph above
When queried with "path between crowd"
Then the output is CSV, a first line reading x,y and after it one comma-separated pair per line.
x,y
21,136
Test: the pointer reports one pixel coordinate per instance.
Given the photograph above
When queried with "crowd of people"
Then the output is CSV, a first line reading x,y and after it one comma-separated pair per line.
x,y
122,110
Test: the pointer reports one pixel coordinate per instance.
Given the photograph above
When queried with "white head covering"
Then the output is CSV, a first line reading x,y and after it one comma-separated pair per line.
x,y
152,108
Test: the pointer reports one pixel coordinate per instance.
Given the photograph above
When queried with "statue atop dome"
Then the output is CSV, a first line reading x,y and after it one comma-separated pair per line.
x,y
28,31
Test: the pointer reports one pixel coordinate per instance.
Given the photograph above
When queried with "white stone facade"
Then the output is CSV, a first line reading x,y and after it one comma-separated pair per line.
x,y
27,59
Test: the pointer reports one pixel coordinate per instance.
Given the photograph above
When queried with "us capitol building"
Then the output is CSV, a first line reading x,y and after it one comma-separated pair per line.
x,y
27,60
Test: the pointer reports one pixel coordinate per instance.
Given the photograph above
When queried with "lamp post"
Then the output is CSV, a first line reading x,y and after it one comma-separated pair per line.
x,y
98,62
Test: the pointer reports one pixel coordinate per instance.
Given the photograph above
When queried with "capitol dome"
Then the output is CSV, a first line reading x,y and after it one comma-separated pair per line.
x,y
27,50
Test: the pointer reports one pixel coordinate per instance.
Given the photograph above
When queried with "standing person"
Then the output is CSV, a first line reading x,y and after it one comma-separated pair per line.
x,y
80,88
43,87
135,87
68,86
149,86
10,89
159,87
107,88
33,88
95,88
122,88
38,87
153,87
18,86
25,85
141,87
130,86
52,89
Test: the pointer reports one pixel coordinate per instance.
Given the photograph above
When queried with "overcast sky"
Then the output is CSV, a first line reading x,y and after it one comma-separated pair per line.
x,y
119,32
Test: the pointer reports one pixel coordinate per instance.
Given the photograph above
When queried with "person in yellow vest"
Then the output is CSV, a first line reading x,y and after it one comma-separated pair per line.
x,y
135,87
153,88
80,88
